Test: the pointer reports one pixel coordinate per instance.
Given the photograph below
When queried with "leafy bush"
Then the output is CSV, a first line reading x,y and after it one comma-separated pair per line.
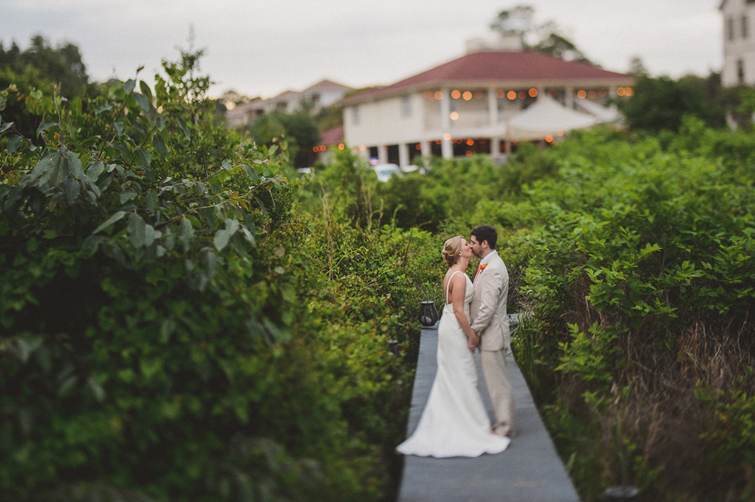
x,y
173,329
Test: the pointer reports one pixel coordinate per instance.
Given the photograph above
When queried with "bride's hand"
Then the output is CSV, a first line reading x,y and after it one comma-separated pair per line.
x,y
473,341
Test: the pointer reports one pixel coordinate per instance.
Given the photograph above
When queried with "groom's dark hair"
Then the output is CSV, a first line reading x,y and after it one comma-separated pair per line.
x,y
486,233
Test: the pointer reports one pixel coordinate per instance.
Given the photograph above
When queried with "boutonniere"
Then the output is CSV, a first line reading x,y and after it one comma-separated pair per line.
x,y
482,267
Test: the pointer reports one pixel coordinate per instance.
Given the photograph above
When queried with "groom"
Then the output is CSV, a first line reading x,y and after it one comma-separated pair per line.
x,y
491,323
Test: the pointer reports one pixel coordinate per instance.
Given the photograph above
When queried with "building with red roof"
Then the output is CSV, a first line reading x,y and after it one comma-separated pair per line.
x,y
467,105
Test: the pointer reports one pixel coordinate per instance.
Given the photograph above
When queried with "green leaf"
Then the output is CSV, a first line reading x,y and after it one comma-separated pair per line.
x,y
185,129
103,108
223,236
91,244
160,122
167,327
145,90
187,233
149,235
44,126
14,142
152,201
119,128
28,345
117,216
145,155
141,101
137,229
127,196
2,103
59,170
42,167
249,170
74,164
248,235
94,171
4,127
71,187
159,143
129,85
97,390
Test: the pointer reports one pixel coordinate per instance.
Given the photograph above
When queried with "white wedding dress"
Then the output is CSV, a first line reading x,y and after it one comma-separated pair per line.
x,y
454,422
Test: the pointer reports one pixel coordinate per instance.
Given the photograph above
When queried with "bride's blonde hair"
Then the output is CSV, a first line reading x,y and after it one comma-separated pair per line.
x,y
452,250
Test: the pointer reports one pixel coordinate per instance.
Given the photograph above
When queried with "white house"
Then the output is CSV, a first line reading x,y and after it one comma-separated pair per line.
x,y
319,95
739,42
478,103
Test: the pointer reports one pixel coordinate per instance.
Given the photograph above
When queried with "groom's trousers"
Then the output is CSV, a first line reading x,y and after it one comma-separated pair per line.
x,y
499,387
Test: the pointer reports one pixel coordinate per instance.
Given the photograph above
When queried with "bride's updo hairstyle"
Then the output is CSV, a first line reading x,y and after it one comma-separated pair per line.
x,y
452,250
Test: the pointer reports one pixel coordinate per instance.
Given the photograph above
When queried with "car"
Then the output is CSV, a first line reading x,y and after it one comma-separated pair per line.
x,y
385,171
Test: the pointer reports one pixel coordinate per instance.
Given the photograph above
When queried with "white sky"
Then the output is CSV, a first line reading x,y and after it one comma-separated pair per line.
x,y
265,47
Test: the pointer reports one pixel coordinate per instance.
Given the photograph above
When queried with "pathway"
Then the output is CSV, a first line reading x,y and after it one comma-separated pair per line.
x,y
528,471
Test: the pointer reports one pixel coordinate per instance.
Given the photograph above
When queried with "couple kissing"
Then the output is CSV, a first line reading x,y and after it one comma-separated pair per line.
x,y
454,422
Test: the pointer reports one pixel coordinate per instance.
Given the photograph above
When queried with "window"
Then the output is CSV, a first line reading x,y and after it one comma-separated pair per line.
x,y
730,28
355,115
744,26
741,71
406,106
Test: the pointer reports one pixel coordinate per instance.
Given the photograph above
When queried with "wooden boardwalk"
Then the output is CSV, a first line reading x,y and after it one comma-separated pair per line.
x,y
528,471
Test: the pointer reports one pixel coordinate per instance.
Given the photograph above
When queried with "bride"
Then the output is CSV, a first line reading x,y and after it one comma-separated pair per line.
x,y
455,422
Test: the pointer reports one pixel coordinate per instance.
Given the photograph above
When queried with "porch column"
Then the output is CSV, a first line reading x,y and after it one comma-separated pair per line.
x,y
495,146
382,154
445,120
493,107
569,98
403,155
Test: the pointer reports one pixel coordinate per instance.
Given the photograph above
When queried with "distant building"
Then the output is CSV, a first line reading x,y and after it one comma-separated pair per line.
x,y
313,98
317,96
739,42
242,114
483,102
332,138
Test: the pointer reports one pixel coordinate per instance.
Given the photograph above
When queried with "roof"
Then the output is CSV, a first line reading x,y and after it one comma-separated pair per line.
x,y
332,136
327,85
284,96
496,67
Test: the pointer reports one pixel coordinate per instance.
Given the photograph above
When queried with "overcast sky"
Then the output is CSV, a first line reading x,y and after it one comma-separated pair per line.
x,y
261,48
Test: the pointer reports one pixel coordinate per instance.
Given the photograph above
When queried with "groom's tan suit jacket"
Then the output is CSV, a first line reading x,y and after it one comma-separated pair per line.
x,y
488,310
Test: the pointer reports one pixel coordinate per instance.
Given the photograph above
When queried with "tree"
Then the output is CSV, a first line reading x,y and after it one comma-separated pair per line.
x,y
547,38
44,68
660,103
60,65
515,22
298,130
637,67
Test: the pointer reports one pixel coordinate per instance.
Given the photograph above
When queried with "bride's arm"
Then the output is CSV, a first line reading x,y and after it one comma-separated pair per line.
x,y
458,292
